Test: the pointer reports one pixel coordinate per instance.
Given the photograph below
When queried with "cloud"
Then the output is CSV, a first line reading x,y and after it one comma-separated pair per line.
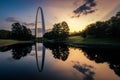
x,y
48,30
14,20
85,69
39,31
11,19
86,8
28,24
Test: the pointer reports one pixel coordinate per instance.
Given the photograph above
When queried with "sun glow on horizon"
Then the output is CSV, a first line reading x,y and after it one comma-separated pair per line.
x,y
55,11
77,25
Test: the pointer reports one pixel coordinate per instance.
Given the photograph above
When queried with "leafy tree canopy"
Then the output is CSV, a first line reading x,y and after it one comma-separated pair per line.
x,y
106,29
60,31
21,32
5,34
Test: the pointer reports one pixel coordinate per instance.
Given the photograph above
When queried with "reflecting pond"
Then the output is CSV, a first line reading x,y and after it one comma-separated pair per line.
x,y
58,62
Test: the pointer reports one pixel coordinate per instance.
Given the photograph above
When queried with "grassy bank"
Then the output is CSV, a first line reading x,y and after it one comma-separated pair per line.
x,y
5,42
77,41
80,40
73,41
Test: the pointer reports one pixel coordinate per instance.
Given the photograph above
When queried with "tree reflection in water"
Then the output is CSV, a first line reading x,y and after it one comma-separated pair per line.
x,y
19,51
101,55
60,51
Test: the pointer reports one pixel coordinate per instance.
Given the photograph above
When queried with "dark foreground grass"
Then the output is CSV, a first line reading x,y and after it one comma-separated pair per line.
x,y
74,40
5,42
80,40
77,41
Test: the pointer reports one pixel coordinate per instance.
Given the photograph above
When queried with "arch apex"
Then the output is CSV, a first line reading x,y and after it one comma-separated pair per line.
x,y
36,21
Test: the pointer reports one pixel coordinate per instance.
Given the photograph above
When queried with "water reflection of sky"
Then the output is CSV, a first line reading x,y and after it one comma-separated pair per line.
x,y
76,67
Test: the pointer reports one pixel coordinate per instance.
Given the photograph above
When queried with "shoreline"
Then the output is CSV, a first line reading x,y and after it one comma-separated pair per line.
x,y
87,45
77,45
91,45
71,44
16,42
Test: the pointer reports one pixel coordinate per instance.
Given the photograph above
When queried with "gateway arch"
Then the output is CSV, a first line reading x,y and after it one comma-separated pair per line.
x,y
42,20
40,68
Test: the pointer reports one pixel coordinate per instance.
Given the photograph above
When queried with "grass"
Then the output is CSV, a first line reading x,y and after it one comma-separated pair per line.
x,y
72,40
75,39
80,40
5,42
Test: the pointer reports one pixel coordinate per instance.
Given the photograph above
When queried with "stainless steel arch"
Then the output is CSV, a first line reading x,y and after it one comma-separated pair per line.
x,y
36,22
36,35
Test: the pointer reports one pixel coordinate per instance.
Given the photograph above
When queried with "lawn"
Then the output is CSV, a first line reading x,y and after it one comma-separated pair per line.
x,y
72,40
5,42
80,40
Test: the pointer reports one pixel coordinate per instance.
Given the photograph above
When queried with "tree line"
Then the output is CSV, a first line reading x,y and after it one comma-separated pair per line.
x,y
59,32
103,29
100,29
5,34
18,32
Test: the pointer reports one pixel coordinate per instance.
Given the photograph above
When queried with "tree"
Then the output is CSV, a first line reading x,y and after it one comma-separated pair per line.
x,y
59,32
49,35
21,32
5,34
107,29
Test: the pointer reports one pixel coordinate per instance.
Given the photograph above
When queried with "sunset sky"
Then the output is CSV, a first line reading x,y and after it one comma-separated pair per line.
x,y
77,13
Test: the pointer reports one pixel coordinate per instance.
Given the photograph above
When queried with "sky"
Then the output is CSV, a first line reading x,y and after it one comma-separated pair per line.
x,y
77,13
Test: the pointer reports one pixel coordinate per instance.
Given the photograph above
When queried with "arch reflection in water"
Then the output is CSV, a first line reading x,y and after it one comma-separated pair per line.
x,y
40,68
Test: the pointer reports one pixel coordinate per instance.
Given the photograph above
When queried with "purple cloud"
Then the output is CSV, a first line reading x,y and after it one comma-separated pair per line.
x,y
85,9
14,20
28,24
11,19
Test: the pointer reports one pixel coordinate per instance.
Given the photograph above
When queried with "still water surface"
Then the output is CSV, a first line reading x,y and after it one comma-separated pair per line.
x,y
57,62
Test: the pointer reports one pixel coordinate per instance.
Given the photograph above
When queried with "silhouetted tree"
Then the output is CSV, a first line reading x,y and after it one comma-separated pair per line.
x,y
75,33
49,35
21,32
5,34
108,29
59,32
